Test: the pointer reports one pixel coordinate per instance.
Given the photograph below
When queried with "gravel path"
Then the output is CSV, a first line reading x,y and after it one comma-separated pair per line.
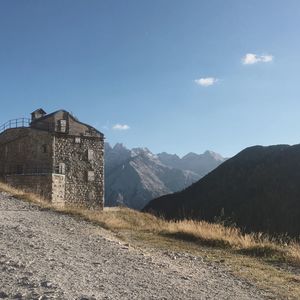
x,y
47,255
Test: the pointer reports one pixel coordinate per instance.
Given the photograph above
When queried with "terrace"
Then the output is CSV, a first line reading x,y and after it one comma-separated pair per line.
x,y
15,123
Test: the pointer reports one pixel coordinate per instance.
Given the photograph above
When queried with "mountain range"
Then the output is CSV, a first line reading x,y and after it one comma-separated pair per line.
x,y
258,190
134,177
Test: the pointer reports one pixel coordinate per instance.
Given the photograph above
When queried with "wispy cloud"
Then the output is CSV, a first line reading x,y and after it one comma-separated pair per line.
x,y
206,81
251,58
120,127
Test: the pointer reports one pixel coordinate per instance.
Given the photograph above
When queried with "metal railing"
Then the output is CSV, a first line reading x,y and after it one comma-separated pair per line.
x,y
19,169
15,123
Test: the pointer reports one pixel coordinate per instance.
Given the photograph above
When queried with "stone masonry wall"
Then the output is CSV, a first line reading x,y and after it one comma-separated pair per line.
x,y
37,184
58,189
83,160
25,151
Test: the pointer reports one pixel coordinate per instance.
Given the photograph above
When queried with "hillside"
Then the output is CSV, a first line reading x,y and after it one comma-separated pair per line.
x,y
258,189
134,177
42,261
185,259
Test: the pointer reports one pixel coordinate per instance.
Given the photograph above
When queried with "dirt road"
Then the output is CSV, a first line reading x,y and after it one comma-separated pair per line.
x,y
47,255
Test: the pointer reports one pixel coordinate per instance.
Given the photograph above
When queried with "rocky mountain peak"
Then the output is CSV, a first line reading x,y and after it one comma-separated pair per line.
x,y
134,177
190,155
119,147
142,151
214,155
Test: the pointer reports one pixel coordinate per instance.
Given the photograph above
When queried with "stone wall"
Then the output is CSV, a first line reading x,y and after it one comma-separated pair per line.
x,y
25,151
50,187
84,161
58,189
37,184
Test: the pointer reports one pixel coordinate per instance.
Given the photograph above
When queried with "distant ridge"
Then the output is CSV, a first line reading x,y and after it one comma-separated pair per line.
x,y
258,189
198,163
134,177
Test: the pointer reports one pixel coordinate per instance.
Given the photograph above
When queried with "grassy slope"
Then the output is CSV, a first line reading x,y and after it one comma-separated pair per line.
x,y
272,265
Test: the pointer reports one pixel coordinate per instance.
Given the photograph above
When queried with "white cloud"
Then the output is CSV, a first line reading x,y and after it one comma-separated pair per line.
x,y
120,127
207,81
250,58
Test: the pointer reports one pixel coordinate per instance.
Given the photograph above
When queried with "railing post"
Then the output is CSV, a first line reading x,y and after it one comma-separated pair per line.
x,y
15,123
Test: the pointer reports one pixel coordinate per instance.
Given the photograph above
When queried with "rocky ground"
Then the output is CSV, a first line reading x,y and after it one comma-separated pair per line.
x,y
47,255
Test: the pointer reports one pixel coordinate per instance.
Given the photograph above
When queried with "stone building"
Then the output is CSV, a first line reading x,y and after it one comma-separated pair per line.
x,y
56,156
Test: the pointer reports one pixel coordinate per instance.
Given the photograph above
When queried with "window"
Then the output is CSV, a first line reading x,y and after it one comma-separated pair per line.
x,y
90,154
91,196
44,148
91,176
62,125
77,140
19,169
60,168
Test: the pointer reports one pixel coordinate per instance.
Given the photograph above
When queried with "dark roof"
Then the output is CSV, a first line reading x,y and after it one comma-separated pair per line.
x,y
64,111
40,110
76,120
48,115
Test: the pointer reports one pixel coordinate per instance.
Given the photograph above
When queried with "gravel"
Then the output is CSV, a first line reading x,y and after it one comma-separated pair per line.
x,y
48,255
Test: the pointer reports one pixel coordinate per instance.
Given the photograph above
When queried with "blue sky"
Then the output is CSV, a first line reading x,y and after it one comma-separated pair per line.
x,y
175,76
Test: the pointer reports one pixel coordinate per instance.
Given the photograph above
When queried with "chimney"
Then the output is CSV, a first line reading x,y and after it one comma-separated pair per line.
x,y
39,113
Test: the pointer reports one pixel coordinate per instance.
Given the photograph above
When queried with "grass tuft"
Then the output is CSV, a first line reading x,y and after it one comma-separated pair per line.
x,y
199,232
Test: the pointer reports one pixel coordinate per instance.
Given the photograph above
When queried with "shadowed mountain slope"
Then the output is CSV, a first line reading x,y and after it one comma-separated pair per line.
x,y
258,189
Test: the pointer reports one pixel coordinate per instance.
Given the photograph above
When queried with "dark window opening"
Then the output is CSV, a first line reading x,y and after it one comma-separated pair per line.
x,y
60,169
19,169
44,148
62,125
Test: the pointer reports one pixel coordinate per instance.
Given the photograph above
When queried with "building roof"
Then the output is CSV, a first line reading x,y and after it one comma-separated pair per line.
x,y
40,110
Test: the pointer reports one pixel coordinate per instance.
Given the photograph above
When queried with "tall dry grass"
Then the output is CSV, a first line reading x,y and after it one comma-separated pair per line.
x,y
201,232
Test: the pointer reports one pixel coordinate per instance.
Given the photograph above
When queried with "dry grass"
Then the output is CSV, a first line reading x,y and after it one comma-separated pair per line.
x,y
271,265
203,233
200,232
24,195
217,235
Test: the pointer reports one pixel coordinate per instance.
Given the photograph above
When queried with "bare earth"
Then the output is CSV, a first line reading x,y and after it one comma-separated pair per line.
x,y
47,255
